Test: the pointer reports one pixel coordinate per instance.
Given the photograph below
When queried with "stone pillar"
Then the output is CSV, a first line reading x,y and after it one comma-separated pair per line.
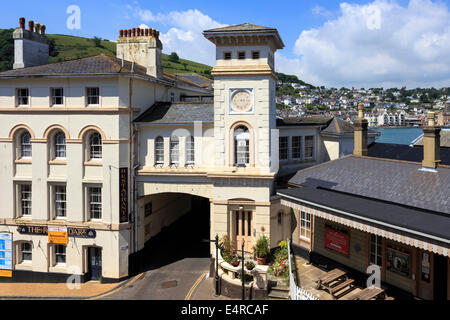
x,y
361,127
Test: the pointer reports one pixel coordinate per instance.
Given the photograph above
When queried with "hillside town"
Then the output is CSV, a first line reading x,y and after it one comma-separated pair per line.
x,y
382,107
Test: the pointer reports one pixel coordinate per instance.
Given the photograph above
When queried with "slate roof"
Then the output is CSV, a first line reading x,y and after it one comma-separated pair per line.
x,y
403,152
195,79
303,121
386,180
431,223
96,65
445,139
178,112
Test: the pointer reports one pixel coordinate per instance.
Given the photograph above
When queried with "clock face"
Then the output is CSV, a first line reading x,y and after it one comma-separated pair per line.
x,y
242,101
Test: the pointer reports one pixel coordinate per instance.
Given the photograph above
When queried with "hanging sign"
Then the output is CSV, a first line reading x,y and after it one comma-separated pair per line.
x,y
123,195
58,235
6,254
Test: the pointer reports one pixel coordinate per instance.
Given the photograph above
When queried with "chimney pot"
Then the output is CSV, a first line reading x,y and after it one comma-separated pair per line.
x,y
431,116
138,30
153,33
22,23
129,32
146,32
121,33
43,28
133,34
31,25
125,33
37,28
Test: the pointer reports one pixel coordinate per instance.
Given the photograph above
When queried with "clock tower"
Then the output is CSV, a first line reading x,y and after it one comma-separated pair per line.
x,y
244,97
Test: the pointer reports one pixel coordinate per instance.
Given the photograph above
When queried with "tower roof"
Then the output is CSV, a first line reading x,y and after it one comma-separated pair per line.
x,y
247,30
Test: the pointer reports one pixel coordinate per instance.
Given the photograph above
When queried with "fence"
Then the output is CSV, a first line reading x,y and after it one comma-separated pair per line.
x,y
296,293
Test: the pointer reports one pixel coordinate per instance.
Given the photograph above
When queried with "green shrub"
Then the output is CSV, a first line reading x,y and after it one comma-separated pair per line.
x,y
262,248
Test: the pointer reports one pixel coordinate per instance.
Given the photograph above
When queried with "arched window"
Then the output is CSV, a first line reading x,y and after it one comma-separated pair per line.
x,y
60,145
190,150
159,151
174,151
95,147
242,145
25,145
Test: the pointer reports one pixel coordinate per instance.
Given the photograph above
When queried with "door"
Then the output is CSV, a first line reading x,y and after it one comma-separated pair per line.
x,y
440,278
244,227
95,263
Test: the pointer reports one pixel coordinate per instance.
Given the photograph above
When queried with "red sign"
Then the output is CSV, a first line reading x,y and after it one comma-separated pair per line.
x,y
337,241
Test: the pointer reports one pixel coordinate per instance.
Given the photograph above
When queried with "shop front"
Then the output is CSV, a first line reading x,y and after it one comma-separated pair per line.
x,y
415,265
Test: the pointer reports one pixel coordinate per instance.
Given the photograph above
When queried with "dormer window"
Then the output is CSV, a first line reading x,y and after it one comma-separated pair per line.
x,y
227,56
241,55
255,55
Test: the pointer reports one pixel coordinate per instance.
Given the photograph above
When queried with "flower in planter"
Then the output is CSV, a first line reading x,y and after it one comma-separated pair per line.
x,y
250,265
234,261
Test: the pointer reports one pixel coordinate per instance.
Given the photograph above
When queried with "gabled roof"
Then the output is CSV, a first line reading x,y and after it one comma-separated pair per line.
x,y
178,112
386,180
192,79
96,65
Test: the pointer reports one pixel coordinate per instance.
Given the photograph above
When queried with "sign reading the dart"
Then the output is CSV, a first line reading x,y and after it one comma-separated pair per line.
x,y
123,205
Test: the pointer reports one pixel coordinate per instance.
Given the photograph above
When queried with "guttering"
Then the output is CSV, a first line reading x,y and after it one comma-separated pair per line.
x,y
367,219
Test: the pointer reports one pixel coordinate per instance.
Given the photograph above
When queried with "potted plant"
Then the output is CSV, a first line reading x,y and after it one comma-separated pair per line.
x,y
250,265
234,261
262,250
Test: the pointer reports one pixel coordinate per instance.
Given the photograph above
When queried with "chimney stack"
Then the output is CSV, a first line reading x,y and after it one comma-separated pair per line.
x,y
143,47
361,127
431,143
31,46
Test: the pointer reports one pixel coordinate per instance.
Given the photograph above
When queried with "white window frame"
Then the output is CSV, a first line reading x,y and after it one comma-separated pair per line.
x,y
53,97
285,148
376,254
22,144
241,152
57,145
22,251
22,200
174,151
63,254
90,203
89,95
56,201
159,151
313,147
190,151
93,155
299,147
19,97
305,225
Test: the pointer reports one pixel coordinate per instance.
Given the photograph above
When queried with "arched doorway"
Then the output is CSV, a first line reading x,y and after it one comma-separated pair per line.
x,y
175,227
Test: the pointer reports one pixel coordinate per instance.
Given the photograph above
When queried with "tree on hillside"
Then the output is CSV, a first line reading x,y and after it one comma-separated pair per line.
x,y
6,50
174,57
97,41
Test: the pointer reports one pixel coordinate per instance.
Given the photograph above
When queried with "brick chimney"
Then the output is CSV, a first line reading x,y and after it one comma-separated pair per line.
x,y
431,143
143,47
31,46
361,127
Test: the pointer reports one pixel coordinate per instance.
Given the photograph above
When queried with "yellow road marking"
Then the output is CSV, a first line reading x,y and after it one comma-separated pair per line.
x,y
118,289
189,295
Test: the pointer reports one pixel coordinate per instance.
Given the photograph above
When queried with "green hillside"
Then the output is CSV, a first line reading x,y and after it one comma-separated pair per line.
x,y
63,48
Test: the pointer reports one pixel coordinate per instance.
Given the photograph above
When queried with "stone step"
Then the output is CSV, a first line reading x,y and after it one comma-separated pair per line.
x,y
279,295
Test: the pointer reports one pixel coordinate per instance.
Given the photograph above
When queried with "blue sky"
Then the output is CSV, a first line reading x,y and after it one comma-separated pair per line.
x,y
326,42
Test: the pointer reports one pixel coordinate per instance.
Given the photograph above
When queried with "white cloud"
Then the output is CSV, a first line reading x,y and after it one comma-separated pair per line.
x,y
185,32
377,44
321,11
